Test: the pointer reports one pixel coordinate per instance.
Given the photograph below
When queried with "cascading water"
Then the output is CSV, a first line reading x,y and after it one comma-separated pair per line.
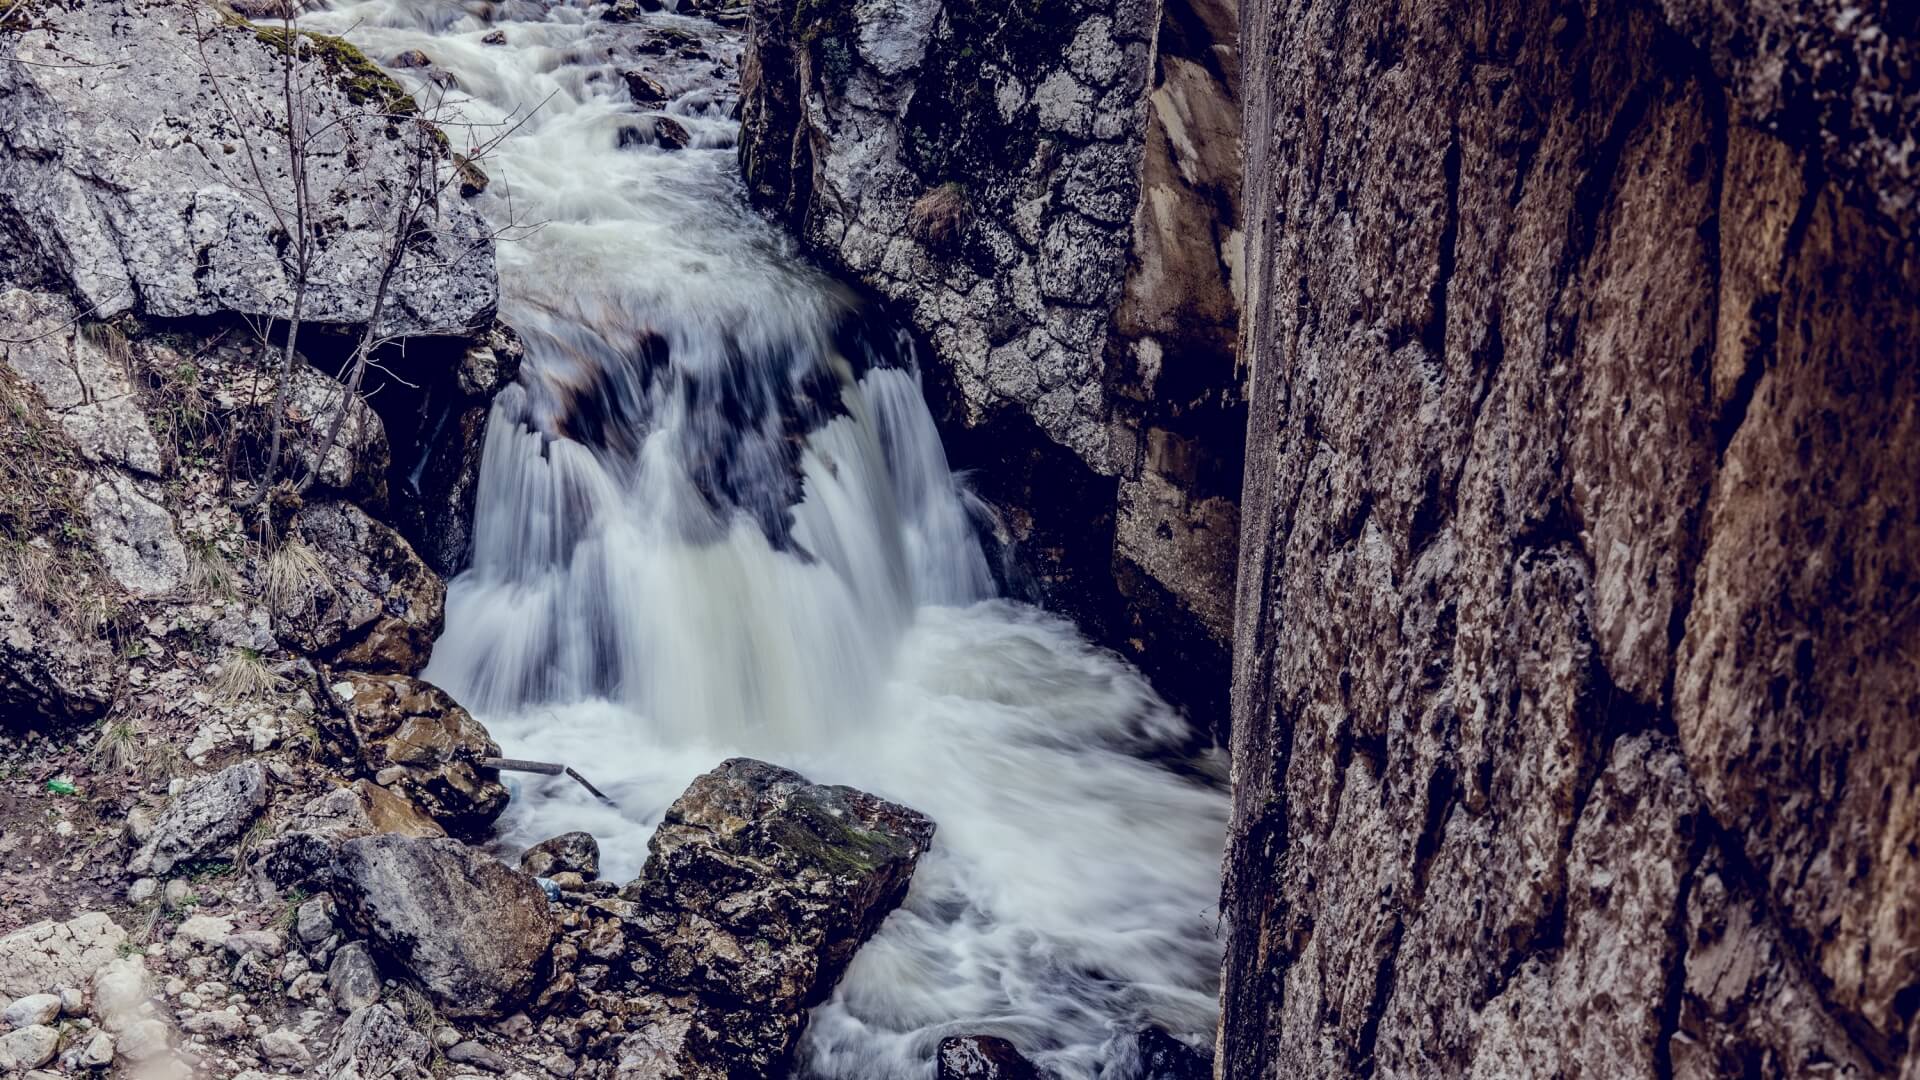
x,y
715,518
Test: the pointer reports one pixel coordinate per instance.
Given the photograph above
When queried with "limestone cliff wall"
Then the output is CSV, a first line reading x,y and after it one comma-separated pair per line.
x,y
1048,193
1575,679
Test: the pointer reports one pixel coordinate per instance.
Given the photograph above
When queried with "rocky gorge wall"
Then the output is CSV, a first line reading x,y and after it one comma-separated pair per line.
x,y
1047,193
1574,680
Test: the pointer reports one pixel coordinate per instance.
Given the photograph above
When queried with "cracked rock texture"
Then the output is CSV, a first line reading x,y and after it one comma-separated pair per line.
x,y
1049,195
1575,677
123,172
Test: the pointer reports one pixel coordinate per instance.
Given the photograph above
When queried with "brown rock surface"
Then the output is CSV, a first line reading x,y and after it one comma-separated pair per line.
x,y
1574,679
418,743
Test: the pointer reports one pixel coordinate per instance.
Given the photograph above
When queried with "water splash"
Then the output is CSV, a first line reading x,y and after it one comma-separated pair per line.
x,y
715,518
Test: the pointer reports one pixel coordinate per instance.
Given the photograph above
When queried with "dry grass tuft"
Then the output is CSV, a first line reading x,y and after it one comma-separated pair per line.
x,y
244,676
295,577
117,747
941,215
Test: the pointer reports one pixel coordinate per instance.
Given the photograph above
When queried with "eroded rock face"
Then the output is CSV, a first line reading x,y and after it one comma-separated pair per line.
x,y
1570,729
474,932
1050,198
116,164
420,745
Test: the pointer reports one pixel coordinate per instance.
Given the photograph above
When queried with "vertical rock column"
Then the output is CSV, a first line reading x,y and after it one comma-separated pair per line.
x,y
1574,671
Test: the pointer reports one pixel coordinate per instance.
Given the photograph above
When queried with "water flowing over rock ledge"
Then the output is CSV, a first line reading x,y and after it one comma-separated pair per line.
x,y
1049,195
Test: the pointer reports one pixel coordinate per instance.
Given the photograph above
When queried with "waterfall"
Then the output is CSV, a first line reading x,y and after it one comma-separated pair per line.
x,y
715,518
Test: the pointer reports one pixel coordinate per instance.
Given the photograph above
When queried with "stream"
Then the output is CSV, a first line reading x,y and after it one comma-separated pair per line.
x,y
715,519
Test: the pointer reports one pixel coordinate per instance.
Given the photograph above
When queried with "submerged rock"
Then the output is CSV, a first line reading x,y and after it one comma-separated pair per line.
x,y
472,930
982,1057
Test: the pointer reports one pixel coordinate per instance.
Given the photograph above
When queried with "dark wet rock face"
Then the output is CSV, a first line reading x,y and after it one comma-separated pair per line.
x,y
1572,728
982,1057
759,887
1049,196
568,853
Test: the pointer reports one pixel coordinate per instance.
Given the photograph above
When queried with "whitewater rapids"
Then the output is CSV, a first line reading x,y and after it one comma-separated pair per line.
x,y
715,519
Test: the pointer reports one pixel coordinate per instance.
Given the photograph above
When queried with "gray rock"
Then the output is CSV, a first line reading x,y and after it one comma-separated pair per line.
x,y
285,1049
183,238
135,536
82,377
46,955
96,1051
30,1010
477,1055
574,852
375,1044
473,931
28,1048
46,669
353,979
205,819
313,920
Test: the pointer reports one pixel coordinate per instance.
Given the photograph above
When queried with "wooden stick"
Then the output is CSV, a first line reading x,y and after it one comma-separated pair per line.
x,y
544,768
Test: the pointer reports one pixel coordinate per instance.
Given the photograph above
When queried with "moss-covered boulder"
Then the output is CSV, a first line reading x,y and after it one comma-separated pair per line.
x,y
759,887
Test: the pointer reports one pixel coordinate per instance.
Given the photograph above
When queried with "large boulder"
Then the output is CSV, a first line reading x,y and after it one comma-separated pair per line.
x,y
759,887
421,745
204,820
50,955
359,596
119,174
473,931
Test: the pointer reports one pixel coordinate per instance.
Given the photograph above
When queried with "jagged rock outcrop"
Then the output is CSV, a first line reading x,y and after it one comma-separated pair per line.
x,y
1049,195
129,174
1573,686
208,816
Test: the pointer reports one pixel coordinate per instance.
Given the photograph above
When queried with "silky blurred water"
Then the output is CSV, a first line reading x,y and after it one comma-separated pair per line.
x,y
715,518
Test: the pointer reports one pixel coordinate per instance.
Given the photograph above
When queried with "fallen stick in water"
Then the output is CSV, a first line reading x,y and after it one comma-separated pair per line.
x,y
544,768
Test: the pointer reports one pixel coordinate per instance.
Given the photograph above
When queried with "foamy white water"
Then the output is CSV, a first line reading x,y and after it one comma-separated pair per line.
x,y
715,519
